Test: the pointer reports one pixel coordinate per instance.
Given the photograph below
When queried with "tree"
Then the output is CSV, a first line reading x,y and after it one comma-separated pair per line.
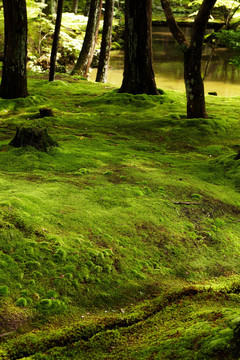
x,y
192,55
86,54
87,7
14,72
55,40
106,42
50,7
75,6
138,74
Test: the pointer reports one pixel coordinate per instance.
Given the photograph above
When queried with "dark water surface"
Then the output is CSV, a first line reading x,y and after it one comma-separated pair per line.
x,y
168,66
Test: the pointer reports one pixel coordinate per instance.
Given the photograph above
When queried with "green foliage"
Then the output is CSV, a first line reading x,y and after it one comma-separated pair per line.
x,y
230,39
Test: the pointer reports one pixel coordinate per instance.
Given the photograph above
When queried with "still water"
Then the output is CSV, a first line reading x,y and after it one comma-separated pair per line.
x,y
168,66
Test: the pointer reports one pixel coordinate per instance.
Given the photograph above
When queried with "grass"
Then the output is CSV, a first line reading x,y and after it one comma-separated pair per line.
x,y
123,242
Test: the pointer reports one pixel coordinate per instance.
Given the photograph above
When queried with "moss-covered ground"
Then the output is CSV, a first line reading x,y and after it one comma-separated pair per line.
x,y
123,242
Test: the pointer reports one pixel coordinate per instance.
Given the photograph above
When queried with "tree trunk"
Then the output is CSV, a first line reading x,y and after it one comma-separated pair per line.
x,y
50,9
75,6
85,58
87,7
55,40
194,83
14,73
138,74
106,42
192,55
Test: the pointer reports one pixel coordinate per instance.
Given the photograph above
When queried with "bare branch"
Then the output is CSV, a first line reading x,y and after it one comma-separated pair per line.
x,y
173,26
201,21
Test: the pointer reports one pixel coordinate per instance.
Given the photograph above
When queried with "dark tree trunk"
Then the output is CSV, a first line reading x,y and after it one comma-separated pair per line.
x,y
55,40
87,7
14,73
85,58
192,63
106,42
138,74
75,6
194,83
192,56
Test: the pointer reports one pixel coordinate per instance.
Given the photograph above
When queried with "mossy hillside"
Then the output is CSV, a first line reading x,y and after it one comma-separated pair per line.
x,y
135,200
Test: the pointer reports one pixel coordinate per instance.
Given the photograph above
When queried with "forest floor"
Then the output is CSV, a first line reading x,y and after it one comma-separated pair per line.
x,y
123,241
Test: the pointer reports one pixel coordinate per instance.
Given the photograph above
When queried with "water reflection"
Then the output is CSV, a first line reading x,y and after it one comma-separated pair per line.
x,y
168,66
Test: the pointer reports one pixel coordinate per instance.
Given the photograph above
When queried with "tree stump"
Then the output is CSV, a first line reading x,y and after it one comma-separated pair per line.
x,y
45,112
35,137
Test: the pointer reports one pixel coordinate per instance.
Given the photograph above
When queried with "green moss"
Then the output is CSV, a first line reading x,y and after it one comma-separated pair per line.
x,y
130,206
4,290
22,302
33,264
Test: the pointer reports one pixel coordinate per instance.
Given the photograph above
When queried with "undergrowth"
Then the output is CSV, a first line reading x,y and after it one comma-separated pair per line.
x,y
137,201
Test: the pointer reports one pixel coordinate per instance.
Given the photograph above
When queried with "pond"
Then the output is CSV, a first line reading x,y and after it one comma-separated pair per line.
x,y
168,66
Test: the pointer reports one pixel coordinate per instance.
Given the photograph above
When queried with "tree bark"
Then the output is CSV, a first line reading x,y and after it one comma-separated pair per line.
x,y
138,77
14,72
192,56
172,24
75,6
50,9
55,40
86,55
106,42
193,83
87,7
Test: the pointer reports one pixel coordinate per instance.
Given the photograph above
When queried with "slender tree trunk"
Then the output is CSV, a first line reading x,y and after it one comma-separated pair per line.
x,y
85,58
55,40
50,9
87,7
138,74
14,73
106,42
194,83
75,6
192,55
